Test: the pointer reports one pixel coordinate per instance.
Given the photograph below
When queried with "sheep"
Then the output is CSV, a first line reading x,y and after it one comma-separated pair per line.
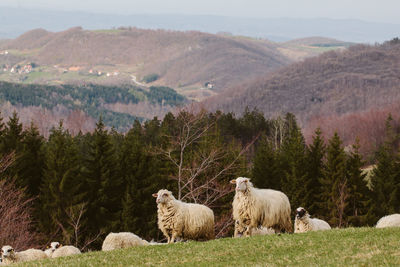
x,y
260,230
177,219
52,248
122,240
255,207
8,255
303,223
389,221
65,251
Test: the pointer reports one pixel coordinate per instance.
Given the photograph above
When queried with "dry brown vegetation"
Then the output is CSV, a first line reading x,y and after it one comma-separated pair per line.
x,y
332,84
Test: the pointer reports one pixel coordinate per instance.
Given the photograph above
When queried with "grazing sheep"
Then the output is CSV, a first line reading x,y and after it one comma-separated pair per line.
x,y
389,221
260,230
52,248
255,207
9,256
177,219
122,240
303,223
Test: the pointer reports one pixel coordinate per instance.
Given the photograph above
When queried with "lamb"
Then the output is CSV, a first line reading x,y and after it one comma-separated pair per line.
x,y
389,221
52,248
122,240
9,256
177,219
254,207
260,230
303,223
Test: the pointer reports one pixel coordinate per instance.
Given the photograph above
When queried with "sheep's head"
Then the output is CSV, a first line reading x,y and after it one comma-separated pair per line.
x,y
7,252
163,196
55,245
242,183
301,212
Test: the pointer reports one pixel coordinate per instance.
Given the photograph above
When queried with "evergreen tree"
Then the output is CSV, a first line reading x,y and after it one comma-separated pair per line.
x,y
315,165
104,183
292,158
266,171
30,161
385,179
334,183
13,135
62,186
358,200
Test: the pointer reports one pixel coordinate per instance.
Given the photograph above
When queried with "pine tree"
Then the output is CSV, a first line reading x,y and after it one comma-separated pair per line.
x,y
13,135
104,184
62,184
266,172
357,210
385,179
315,165
30,161
292,158
334,183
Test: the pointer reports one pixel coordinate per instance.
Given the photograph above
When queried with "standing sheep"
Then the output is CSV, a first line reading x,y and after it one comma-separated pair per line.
x,y
303,223
389,221
9,256
255,207
122,240
177,219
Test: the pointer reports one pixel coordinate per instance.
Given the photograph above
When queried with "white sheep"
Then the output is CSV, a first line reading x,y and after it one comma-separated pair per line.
x,y
255,207
9,256
260,230
122,240
303,223
177,219
389,221
52,248
64,251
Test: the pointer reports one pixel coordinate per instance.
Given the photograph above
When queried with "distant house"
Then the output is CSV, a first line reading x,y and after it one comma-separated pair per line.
x,y
209,85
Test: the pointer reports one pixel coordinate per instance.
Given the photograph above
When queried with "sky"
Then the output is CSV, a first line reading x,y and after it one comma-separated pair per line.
x,y
367,10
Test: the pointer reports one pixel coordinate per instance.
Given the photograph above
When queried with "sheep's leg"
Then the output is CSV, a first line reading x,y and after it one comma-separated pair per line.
x,y
173,237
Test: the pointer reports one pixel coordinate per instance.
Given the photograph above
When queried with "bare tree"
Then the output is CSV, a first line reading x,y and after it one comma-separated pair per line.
x,y
15,212
341,202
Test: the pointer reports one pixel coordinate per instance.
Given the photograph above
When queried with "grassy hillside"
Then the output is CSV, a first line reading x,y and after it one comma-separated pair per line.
x,y
348,247
334,83
180,59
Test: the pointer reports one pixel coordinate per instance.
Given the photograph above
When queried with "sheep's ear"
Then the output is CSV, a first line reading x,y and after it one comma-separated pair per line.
x,y
233,181
155,195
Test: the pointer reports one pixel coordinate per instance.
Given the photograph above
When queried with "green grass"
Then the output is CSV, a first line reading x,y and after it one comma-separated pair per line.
x,y
349,247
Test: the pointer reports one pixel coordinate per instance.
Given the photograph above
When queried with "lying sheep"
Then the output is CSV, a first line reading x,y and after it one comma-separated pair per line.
x,y
122,240
177,219
63,251
260,230
9,256
389,221
303,223
255,207
52,248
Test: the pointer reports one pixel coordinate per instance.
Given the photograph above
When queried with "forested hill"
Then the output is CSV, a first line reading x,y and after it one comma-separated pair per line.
x,y
119,106
335,83
180,59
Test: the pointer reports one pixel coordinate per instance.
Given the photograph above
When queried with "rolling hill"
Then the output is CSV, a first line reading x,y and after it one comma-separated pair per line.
x,y
180,59
334,83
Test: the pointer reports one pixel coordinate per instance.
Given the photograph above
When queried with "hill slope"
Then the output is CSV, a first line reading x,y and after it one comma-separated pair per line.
x,y
346,247
180,59
336,82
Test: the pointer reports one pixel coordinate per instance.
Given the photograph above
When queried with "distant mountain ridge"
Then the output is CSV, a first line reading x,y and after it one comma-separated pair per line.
x,y
15,21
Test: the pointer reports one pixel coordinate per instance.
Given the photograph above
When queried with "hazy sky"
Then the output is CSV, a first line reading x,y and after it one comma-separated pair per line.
x,y
369,10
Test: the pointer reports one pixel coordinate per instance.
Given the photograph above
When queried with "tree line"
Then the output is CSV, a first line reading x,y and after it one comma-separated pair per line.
x,y
83,186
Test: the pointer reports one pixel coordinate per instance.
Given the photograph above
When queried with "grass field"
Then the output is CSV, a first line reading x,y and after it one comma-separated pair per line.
x,y
349,247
